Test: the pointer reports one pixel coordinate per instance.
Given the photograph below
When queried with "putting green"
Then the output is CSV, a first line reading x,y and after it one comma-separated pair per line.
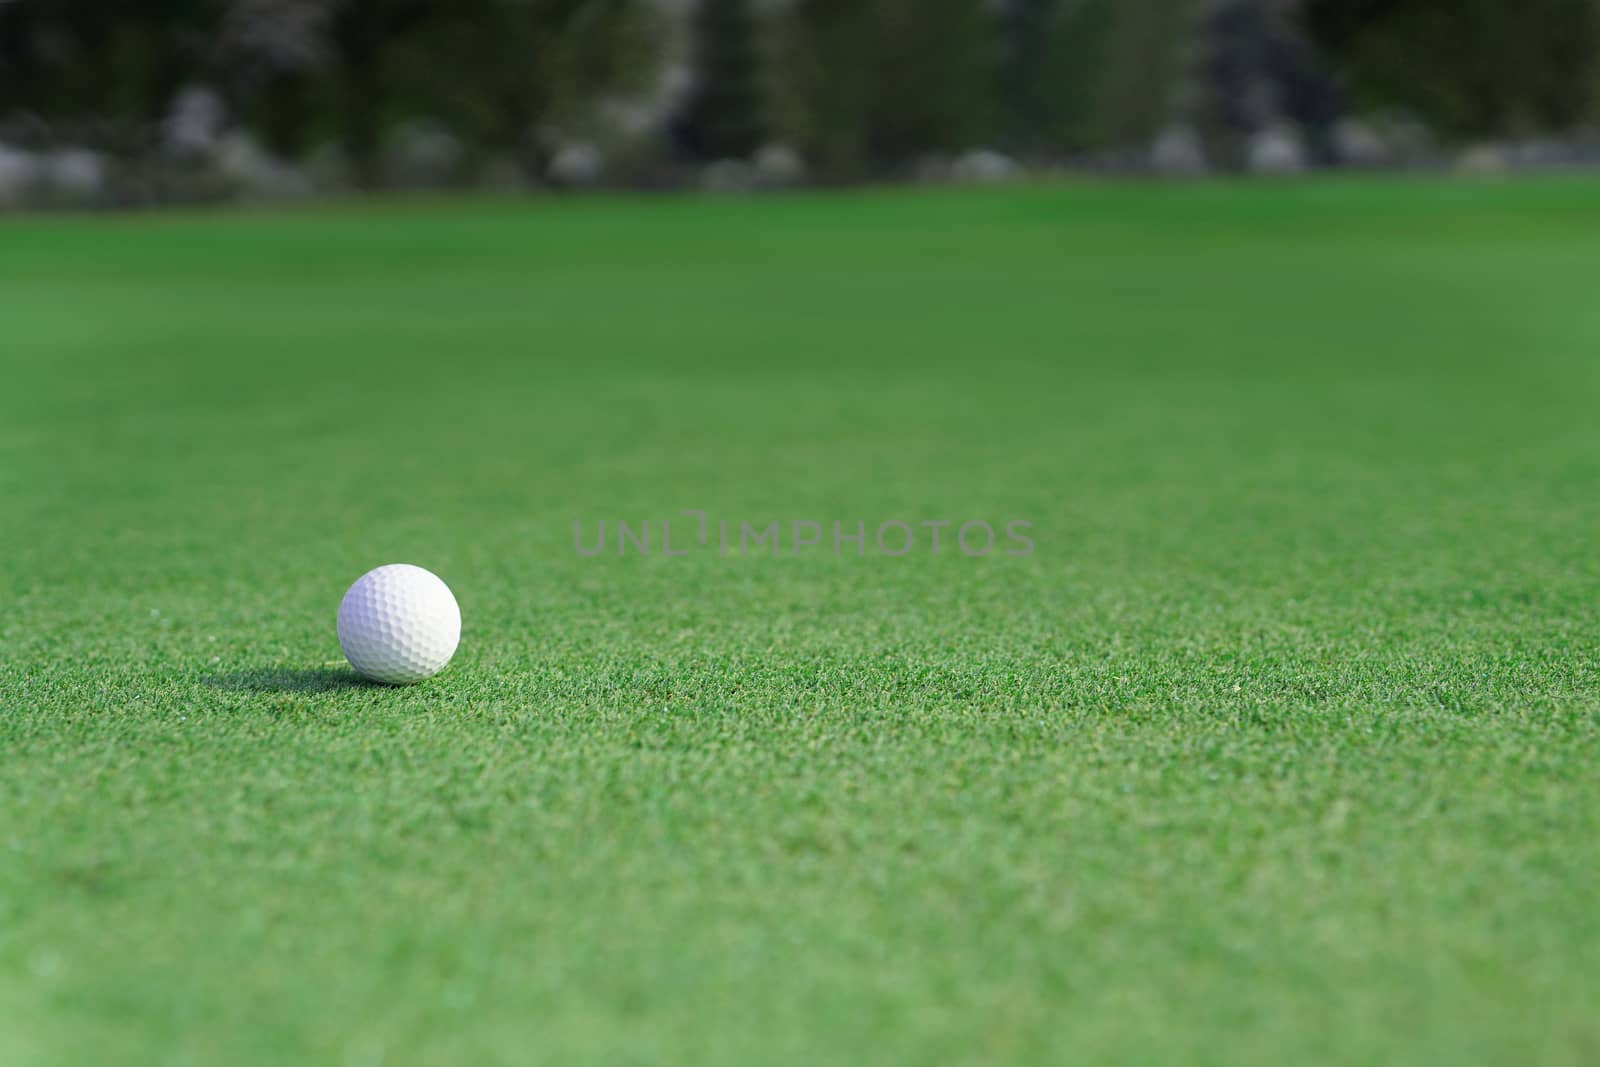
x,y
1283,745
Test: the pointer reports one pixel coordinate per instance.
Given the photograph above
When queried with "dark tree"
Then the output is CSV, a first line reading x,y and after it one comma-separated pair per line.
x,y
1029,81
726,113
499,71
869,85
1469,67
1090,74
1257,67
80,67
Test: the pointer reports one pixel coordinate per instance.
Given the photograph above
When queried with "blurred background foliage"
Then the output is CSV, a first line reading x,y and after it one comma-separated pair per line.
x,y
192,99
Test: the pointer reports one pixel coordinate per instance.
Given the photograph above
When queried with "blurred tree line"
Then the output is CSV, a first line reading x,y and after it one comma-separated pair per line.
x,y
857,87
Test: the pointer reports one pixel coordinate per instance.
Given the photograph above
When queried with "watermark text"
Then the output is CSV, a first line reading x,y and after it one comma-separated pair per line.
x,y
695,532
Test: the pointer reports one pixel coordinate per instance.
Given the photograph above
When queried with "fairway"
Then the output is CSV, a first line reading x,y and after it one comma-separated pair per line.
x,y
1282,746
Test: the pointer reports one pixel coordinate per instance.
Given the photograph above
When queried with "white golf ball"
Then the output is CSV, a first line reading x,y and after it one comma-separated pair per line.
x,y
399,624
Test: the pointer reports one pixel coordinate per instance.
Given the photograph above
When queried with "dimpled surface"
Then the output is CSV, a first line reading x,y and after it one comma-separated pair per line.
x,y
399,624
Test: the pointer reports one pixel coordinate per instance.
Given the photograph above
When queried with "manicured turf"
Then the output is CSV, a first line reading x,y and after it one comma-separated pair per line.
x,y
1283,747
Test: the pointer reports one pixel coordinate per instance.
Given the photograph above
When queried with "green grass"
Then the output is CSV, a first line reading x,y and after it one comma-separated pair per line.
x,y
1283,747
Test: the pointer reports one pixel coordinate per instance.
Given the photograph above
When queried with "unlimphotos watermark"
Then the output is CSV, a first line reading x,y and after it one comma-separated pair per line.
x,y
777,538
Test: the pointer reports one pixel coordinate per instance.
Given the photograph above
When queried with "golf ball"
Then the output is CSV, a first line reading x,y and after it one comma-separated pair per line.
x,y
399,624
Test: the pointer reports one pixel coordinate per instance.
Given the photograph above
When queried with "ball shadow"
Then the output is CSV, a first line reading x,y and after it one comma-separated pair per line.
x,y
289,680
